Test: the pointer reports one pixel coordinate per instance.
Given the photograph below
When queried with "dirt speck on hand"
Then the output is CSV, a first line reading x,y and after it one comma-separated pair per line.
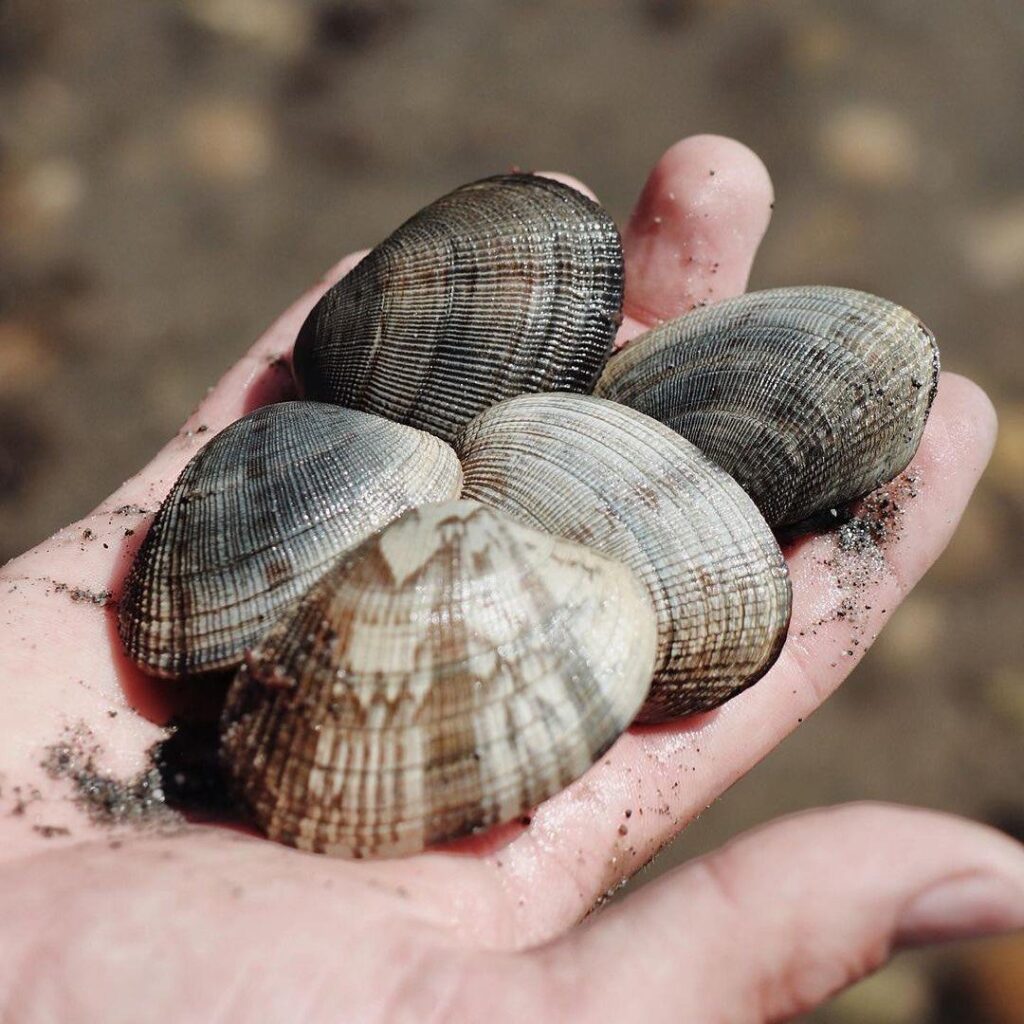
x,y
23,797
51,831
858,561
81,595
130,510
107,800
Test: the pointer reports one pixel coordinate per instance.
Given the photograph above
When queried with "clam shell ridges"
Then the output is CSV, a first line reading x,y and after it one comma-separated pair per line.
x,y
607,476
810,397
451,673
258,515
509,285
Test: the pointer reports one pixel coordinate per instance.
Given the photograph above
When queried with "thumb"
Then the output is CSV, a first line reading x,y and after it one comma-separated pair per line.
x,y
784,917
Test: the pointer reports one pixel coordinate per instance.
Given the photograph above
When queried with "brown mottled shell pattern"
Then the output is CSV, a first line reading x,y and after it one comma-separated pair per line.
x,y
415,668
810,396
609,477
511,284
258,515
452,672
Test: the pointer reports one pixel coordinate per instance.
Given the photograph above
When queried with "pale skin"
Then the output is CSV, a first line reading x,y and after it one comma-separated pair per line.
x,y
215,923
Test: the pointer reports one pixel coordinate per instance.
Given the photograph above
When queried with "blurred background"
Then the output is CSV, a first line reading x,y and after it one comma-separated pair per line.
x,y
172,174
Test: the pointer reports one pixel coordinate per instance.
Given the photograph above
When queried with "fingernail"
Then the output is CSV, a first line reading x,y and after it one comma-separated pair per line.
x,y
961,908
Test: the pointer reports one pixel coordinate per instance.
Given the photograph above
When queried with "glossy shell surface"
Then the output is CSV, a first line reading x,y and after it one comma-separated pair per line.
x,y
451,673
259,514
810,397
607,476
508,285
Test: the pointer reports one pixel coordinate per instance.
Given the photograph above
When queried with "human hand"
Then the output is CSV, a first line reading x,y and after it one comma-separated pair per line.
x,y
102,922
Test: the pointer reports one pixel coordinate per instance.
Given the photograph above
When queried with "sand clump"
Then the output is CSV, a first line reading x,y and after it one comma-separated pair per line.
x,y
137,801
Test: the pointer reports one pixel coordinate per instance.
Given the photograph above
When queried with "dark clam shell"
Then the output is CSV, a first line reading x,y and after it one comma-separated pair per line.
x,y
605,475
810,397
452,672
259,514
509,285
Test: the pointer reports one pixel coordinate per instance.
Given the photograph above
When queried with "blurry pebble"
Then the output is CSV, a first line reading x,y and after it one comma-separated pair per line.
x,y
226,140
279,27
995,976
47,193
25,361
866,145
818,44
1006,470
670,14
354,24
1004,694
993,245
912,634
26,31
899,994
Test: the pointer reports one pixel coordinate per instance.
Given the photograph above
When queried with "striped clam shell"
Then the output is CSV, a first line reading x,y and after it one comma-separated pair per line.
x,y
259,514
810,397
508,285
449,674
607,476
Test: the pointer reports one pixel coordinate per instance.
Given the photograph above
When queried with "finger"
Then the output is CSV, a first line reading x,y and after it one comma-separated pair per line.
x,y
592,837
784,917
695,230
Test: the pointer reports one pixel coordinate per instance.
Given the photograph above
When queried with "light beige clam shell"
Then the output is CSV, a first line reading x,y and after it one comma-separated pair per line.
x,y
455,670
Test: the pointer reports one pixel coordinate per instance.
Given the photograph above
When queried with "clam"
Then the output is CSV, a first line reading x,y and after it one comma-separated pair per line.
x,y
414,668
508,285
605,475
810,397
258,515
448,674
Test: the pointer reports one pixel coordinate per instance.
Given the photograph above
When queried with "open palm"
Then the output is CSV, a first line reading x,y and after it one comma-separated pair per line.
x,y
207,922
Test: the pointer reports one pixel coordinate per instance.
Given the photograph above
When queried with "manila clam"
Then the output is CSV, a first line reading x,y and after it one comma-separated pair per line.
x,y
810,397
507,285
257,515
450,673
607,476
414,668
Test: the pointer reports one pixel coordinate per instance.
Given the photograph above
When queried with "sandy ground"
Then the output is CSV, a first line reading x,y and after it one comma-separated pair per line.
x,y
172,174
